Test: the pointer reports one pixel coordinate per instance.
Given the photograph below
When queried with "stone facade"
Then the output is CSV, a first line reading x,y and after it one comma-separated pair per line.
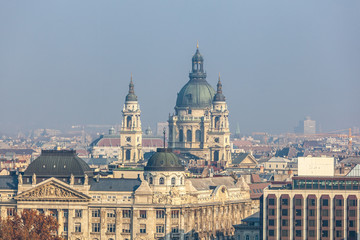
x,y
163,204
200,125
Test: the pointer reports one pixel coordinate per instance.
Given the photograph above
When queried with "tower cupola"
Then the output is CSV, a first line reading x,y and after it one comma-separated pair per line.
x,y
219,96
131,94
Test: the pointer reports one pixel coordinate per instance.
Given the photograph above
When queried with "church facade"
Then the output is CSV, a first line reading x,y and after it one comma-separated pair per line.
x,y
200,124
162,203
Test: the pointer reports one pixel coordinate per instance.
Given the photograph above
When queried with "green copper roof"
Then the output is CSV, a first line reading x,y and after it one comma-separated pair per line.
x,y
195,94
164,160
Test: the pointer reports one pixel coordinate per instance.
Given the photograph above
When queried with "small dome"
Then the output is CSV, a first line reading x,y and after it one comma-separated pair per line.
x,y
164,160
196,94
197,56
131,95
58,163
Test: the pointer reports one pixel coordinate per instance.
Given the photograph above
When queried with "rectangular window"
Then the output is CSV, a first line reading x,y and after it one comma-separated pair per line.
x,y
142,228
160,229
66,213
271,222
126,228
352,213
111,214
11,211
338,202
325,212
311,233
174,213
284,202
126,213
352,202
311,213
95,213
325,202
78,213
95,227
338,223
66,228
325,223
77,227
297,202
160,214
142,213
285,222
351,223
284,233
271,201
298,212
271,212
338,213
175,229
297,233
298,223
311,223
339,234
284,212
324,233
312,202
111,227
271,233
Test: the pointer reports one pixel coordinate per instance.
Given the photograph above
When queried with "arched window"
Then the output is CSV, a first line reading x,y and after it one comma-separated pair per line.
x,y
198,136
189,136
128,154
161,181
151,180
128,122
247,237
216,155
173,181
181,135
217,122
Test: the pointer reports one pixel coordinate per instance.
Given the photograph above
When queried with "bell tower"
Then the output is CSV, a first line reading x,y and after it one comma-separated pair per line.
x,y
131,133
219,133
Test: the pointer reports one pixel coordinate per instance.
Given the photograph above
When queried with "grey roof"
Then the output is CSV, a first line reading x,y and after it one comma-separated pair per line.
x,y
237,158
253,218
99,161
114,184
195,94
211,183
8,182
58,163
164,160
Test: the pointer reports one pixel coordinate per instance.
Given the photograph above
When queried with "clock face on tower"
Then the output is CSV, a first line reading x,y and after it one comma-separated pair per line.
x,y
128,139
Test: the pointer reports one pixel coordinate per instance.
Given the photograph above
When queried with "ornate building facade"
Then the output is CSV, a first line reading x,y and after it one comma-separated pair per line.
x,y
161,204
200,124
131,133
126,146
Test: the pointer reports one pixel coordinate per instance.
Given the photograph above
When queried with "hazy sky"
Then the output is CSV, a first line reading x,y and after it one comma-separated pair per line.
x,y
69,62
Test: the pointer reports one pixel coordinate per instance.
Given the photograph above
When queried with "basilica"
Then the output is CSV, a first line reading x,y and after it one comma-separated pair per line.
x,y
200,124
162,202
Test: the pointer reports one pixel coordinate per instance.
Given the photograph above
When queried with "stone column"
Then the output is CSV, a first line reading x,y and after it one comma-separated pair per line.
x,y
70,221
103,223
182,217
278,222
292,217
60,213
345,218
331,217
167,224
318,222
118,222
305,217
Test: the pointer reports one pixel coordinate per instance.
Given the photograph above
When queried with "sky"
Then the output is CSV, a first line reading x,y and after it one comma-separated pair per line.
x,y
66,63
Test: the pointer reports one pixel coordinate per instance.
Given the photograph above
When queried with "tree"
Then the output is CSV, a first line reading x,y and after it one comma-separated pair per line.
x,y
30,225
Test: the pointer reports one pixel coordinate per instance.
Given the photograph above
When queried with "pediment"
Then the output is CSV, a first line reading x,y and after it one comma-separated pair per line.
x,y
52,190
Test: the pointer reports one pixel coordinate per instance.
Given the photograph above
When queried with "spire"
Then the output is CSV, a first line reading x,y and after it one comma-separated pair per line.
x,y
131,95
197,44
219,96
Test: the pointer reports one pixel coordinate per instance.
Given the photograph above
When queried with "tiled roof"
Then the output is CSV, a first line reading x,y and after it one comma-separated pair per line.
x,y
8,182
256,189
211,183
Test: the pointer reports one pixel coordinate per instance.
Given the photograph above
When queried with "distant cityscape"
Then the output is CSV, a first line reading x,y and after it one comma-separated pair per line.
x,y
190,178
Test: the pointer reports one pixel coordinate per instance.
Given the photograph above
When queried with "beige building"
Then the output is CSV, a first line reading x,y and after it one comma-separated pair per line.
x,y
200,124
161,204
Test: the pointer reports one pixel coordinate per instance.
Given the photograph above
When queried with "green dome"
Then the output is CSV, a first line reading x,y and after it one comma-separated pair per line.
x,y
164,160
196,94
